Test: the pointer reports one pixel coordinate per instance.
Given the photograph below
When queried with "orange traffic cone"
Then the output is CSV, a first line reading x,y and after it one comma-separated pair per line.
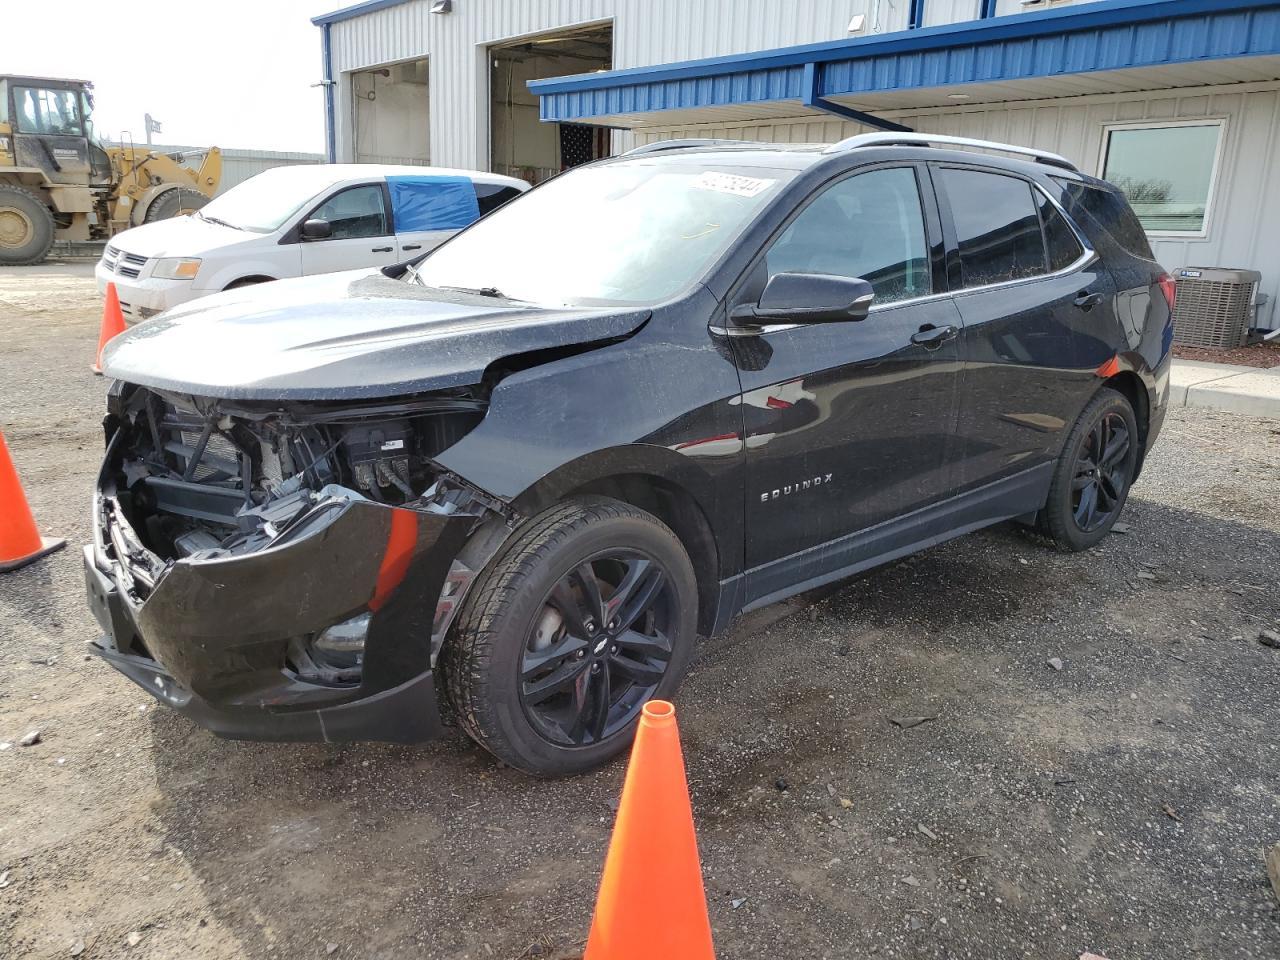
x,y
20,541
112,324
651,901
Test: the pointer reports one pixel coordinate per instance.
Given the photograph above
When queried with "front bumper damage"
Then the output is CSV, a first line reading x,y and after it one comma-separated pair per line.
x,y
223,638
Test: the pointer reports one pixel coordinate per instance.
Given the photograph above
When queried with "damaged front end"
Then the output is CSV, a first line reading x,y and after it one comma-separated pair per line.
x,y
285,570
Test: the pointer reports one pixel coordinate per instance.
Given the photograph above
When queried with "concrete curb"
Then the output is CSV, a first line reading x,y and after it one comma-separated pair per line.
x,y
1222,386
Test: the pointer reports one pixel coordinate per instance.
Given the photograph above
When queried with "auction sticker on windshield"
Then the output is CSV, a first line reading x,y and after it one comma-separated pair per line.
x,y
733,183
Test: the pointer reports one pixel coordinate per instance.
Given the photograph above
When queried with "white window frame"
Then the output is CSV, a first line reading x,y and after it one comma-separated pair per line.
x,y
1219,122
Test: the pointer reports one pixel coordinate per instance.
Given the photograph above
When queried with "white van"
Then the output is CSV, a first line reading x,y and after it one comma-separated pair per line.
x,y
293,222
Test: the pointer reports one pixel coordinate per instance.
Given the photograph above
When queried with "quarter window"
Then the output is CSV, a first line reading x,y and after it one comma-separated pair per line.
x,y
1060,240
355,212
997,227
869,226
490,196
1165,171
1105,212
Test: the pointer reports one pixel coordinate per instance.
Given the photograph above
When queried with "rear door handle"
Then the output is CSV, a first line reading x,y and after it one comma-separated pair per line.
x,y
411,246
381,249
1086,300
931,336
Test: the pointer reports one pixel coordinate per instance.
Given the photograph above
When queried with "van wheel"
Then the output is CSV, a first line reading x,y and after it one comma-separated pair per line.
x,y
588,613
26,226
1094,471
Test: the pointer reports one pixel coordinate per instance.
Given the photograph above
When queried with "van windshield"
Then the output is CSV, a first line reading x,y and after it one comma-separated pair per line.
x,y
263,203
632,232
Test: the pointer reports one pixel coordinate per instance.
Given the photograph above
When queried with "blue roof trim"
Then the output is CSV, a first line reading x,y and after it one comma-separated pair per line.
x,y
1103,35
359,9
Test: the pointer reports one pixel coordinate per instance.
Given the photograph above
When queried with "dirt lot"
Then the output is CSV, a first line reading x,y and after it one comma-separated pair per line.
x,y
1118,805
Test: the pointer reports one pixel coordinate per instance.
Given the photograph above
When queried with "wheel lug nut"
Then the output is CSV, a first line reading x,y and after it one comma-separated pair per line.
x,y
614,648
582,654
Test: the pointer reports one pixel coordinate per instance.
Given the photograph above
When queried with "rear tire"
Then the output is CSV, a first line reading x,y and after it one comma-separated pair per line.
x,y
1094,472
526,628
173,203
26,226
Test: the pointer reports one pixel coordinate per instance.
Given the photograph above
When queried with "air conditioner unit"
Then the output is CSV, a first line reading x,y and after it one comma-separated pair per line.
x,y
1214,307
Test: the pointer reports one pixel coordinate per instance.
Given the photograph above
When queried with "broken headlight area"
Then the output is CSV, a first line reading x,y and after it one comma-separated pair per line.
x,y
208,479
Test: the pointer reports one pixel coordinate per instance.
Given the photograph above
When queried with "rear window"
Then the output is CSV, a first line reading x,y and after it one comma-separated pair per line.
x,y
1098,209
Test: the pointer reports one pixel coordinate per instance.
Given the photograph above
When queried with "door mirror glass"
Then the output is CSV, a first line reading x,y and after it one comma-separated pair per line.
x,y
811,298
316,230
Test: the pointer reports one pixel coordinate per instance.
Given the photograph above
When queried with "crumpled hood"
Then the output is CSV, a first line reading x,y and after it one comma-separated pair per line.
x,y
180,237
343,335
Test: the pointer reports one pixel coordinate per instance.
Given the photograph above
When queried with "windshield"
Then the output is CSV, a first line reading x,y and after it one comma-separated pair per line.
x,y
637,232
263,203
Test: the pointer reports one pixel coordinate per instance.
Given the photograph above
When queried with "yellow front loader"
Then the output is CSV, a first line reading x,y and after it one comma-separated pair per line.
x,y
58,183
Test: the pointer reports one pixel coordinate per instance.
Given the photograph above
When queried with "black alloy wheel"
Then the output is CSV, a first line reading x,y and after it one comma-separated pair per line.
x,y
599,650
1095,469
588,611
1101,476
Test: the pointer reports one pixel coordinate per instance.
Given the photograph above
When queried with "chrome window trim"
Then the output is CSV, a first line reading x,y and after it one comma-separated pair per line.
x,y
1087,257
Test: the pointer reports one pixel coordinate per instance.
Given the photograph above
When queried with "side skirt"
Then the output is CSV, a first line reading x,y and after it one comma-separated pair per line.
x,y
1018,495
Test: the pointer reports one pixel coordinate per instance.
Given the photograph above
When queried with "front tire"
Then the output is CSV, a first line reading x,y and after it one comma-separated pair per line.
x,y
174,203
1094,471
588,613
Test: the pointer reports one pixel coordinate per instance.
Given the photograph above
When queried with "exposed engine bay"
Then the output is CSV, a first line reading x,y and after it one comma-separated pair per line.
x,y
208,478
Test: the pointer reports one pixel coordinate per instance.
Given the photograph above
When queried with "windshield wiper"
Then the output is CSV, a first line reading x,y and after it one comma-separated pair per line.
x,y
221,223
480,292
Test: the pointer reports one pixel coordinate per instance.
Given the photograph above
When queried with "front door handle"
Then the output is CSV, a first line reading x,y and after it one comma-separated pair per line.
x,y
931,336
381,249
412,246
1086,300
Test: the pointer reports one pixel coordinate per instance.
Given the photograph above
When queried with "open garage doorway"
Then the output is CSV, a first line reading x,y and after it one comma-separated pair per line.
x,y
521,146
391,112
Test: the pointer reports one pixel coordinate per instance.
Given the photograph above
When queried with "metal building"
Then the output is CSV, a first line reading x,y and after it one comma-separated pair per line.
x,y
1176,100
239,165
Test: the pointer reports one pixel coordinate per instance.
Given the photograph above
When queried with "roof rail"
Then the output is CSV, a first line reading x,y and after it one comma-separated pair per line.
x,y
660,145
929,139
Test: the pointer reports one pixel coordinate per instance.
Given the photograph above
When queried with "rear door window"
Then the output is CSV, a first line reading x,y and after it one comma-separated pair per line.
x,y
429,202
997,226
870,225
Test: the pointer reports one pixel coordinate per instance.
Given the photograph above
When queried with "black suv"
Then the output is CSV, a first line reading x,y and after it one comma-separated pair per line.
x,y
529,471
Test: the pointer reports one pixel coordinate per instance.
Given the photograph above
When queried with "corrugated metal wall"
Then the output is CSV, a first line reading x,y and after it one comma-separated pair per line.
x,y
645,32
240,165
1244,215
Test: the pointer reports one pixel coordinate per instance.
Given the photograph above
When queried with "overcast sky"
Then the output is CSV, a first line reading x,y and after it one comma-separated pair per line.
x,y
231,73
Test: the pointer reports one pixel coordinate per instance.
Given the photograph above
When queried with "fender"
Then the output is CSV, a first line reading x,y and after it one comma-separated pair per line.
x,y
663,404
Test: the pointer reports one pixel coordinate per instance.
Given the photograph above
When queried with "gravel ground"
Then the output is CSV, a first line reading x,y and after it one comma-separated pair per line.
x,y
1118,805
1265,354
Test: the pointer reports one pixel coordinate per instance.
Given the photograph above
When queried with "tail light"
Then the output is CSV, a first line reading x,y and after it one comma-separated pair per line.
x,y
1169,287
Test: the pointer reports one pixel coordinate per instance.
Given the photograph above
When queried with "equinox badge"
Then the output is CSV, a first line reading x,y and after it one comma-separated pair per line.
x,y
791,488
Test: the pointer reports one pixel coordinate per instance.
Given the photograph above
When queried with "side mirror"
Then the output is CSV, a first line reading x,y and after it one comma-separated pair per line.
x,y
316,230
809,298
